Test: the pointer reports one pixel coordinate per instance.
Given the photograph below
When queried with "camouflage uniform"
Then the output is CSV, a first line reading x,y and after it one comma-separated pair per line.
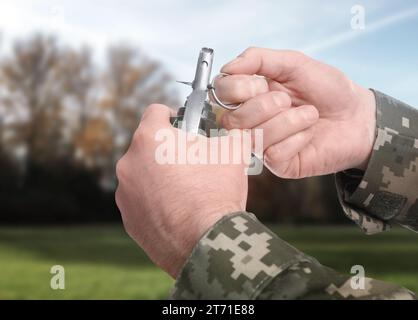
x,y
387,192
239,258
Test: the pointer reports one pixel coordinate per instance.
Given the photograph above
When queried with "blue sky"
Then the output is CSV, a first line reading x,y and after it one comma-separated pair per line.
x,y
383,56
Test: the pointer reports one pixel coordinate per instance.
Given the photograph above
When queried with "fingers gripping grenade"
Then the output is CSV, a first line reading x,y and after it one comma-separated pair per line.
x,y
196,116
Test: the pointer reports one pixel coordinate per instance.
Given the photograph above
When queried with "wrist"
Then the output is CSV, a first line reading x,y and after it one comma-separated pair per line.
x,y
367,137
193,232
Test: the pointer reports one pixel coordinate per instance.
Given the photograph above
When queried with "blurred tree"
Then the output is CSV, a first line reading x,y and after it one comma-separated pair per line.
x,y
28,74
130,82
65,121
62,107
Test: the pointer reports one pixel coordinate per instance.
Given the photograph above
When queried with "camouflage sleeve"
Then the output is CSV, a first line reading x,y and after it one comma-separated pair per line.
x,y
387,192
239,258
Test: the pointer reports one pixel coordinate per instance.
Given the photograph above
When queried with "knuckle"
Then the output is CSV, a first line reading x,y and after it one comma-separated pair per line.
x,y
239,89
220,83
117,194
291,171
142,135
120,168
281,99
141,129
137,134
297,54
232,121
251,50
152,106
310,114
282,168
226,121
291,119
263,106
341,77
272,155
147,111
118,197
137,139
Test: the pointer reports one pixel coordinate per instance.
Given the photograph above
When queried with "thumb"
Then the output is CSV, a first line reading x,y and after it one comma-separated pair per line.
x,y
156,116
274,64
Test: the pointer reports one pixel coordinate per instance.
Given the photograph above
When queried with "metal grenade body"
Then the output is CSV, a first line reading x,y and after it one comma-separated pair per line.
x,y
207,125
197,116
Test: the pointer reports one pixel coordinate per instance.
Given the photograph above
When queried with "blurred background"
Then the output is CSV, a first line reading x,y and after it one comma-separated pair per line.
x,y
75,77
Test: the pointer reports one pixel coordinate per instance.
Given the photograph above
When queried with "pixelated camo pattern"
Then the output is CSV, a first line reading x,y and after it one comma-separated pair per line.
x,y
388,190
239,258
235,260
309,281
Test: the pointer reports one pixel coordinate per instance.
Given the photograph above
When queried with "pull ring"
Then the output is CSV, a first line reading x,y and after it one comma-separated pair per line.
x,y
214,97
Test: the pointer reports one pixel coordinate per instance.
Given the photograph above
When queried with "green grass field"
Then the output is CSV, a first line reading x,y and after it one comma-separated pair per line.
x,y
101,262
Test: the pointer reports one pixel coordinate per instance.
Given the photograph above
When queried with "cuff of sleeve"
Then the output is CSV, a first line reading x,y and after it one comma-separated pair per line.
x,y
380,196
236,259
345,182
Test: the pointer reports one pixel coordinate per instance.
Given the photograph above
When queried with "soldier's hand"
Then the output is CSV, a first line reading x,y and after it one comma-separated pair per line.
x,y
166,208
326,126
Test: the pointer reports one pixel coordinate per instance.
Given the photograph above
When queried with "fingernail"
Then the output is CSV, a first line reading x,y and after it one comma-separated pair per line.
x,y
231,63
